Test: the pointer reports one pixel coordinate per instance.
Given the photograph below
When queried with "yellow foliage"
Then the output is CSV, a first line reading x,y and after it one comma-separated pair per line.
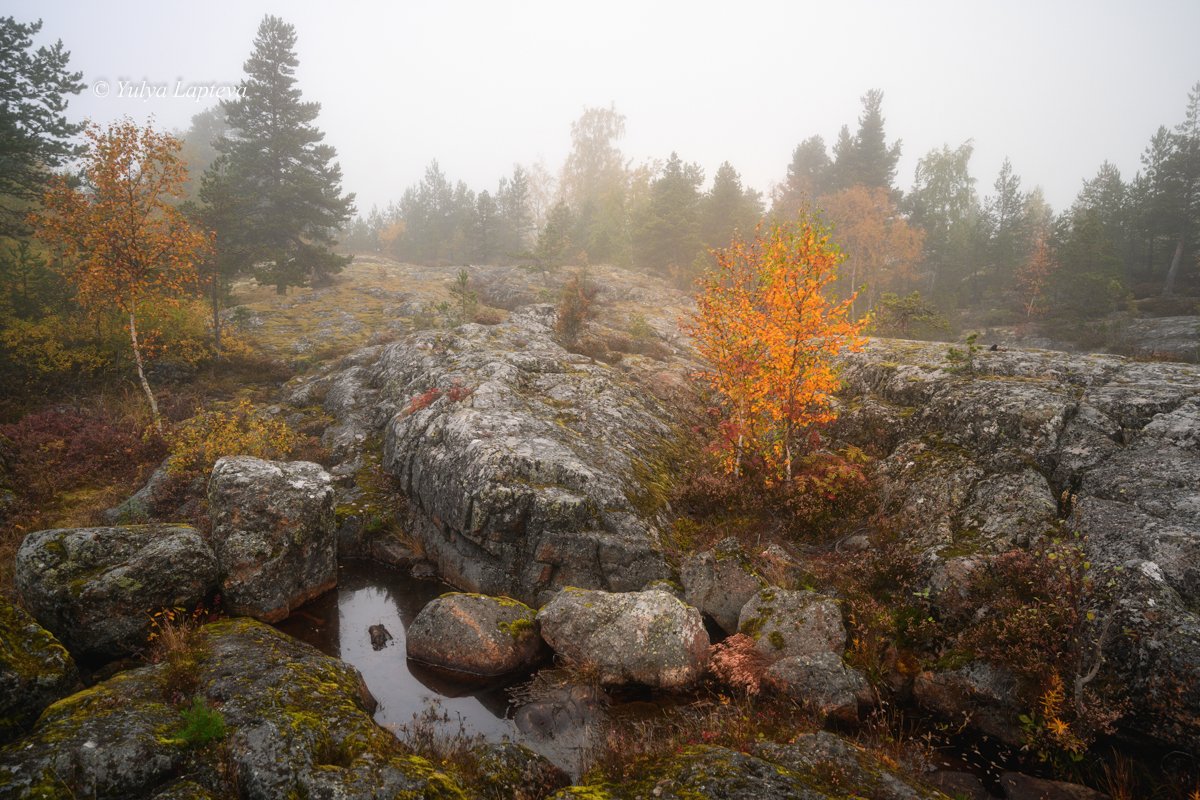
x,y
52,345
241,431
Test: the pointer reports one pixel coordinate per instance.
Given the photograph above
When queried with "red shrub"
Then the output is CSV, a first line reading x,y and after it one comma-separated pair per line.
x,y
61,449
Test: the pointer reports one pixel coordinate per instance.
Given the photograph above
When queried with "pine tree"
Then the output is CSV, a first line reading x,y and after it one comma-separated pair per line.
x,y
1009,239
35,136
668,233
283,179
808,178
516,213
728,209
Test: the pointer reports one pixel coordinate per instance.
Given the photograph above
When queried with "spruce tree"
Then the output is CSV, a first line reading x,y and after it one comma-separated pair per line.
x,y
866,159
280,175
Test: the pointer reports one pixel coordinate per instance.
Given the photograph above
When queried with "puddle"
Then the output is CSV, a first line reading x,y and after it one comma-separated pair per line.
x,y
338,623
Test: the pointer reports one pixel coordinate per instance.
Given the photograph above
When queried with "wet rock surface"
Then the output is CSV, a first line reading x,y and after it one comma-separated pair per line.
x,y
273,533
648,638
35,670
96,588
297,723
476,634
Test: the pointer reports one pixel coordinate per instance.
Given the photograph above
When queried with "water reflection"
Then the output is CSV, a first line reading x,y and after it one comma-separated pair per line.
x,y
369,594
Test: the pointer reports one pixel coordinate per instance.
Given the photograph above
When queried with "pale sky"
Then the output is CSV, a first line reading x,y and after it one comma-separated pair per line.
x,y
1057,86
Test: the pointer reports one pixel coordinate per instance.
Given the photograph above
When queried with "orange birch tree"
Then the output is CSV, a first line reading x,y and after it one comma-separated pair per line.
x,y
768,329
123,242
1034,275
881,249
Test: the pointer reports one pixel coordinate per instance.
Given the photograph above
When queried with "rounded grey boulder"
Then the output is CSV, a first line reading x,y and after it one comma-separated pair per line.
x,y
274,534
96,588
648,637
719,582
476,634
785,623
823,683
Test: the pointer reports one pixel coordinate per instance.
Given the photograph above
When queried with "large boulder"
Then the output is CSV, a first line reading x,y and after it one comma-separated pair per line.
x,y
96,588
528,467
35,670
787,623
476,634
822,683
297,724
719,582
274,534
648,637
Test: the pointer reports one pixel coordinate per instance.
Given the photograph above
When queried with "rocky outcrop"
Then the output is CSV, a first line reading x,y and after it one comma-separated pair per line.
x,y
273,532
1033,443
648,637
35,670
520,459
297,724
719,582
527,467
96,588
475,634
818,766
786,623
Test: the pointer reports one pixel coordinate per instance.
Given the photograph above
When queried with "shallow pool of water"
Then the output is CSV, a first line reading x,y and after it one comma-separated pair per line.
x,y
369,594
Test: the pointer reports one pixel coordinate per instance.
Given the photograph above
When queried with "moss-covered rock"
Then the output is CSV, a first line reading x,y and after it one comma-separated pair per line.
x,y
96,588
819,766
297,724
476,634
507,770
35,670
838,768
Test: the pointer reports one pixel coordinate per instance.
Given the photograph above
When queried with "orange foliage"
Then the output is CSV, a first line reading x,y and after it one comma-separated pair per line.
x,y
768,329
881,249
1033,276
122,241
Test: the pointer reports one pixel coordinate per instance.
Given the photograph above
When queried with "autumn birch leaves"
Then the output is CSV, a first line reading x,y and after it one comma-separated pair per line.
x,y
766,326
120,237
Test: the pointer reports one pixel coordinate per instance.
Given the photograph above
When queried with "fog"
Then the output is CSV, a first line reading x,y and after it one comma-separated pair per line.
x,y
1057,87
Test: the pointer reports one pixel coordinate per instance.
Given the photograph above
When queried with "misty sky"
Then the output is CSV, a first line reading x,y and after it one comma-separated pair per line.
x,y
1056,86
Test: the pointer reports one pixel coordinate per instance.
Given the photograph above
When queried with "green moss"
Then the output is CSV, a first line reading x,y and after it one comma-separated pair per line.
x,y
965,543
776,639
26,648
599,792
518,627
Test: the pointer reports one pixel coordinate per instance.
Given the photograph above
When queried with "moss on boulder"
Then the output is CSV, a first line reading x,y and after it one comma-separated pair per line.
x,y
35,670
297,724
